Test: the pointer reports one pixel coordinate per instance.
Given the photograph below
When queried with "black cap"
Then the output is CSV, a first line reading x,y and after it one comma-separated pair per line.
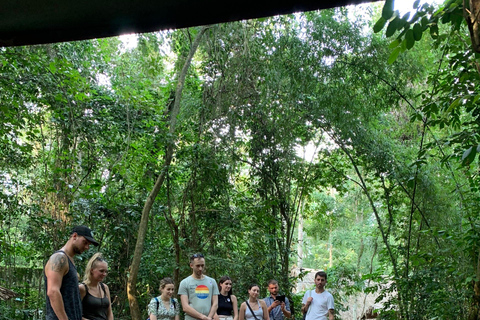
x,y
85,232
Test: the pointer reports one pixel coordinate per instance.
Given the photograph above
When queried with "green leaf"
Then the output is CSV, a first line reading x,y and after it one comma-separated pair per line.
x,y
415,4
468,156
394,55
405,17
403,45
424,22
411,182
446,18
466,153
417,32
410,39
392,27
395,43
453,5
476,98
52,67
379,25
387,11
434,31
454,104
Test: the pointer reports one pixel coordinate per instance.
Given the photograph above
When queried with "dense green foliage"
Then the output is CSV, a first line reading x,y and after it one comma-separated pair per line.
x,y
286,119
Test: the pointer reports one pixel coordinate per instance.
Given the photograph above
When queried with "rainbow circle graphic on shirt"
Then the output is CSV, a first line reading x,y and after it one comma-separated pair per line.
x,y
202,292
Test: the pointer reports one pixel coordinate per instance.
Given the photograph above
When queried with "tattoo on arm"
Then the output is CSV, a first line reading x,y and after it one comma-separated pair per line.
x,y
59,262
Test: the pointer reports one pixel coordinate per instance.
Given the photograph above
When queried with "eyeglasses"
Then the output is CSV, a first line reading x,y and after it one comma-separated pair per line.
x,y
197,255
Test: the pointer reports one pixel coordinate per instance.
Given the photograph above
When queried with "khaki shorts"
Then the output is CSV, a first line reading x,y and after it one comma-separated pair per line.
x,y
225,317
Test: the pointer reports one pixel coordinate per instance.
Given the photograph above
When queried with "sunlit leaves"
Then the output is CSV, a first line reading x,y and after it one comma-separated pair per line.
x,y
394,55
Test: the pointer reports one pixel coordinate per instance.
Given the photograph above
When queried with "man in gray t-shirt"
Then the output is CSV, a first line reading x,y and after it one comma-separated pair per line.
x,y
198,293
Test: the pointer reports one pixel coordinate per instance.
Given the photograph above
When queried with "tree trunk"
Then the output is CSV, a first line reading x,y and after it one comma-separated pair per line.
x,y
300,241
142,229
473,23
474,312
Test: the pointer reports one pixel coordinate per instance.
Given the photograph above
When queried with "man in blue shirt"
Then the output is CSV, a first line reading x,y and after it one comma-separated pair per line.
x,y
277,309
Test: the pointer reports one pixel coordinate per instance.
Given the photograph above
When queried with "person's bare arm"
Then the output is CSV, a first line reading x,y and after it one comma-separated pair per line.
x,y
213,308
285,311
83,291
306,305
177,311
190,310
109,312
235,307
152,316
265,310
275,304
243,308
55,269
331,314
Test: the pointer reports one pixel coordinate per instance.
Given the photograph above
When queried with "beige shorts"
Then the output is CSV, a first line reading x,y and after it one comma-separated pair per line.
x,y
225,317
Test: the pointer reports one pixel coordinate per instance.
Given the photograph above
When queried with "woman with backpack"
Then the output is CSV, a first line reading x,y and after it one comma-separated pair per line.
x,y
94,293
164,307
227,302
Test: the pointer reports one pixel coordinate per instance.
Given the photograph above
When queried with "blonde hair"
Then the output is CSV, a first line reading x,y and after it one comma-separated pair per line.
x,y
92,263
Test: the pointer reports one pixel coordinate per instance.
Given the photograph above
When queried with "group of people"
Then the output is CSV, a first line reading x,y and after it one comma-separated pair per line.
x,y
67,299
200,297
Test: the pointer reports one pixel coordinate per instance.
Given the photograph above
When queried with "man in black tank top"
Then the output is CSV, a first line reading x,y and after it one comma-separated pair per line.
x,y
61,277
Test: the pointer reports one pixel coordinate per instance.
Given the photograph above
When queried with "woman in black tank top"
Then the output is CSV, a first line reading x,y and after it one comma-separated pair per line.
x,y
227,302
94,293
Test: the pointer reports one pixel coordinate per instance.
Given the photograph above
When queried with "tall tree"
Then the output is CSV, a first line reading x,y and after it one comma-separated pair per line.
x,y
134,308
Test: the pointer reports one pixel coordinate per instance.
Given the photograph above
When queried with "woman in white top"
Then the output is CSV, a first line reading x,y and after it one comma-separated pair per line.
x,y
253,309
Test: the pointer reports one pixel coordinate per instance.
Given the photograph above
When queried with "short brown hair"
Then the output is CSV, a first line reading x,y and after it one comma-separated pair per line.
x,y
272,281
321,274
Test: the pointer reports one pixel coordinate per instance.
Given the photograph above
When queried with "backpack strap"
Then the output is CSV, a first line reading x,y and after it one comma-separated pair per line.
x,y
174,304
309,295
158,303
